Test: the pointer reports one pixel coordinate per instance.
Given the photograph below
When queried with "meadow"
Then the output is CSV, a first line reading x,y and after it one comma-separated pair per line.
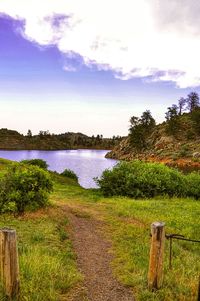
x,y
48,265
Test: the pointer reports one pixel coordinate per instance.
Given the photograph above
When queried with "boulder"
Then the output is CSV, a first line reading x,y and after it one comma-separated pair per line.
x,y
196,155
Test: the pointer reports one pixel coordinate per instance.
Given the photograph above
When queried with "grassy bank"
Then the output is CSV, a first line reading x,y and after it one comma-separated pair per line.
x,y
47,262
127,224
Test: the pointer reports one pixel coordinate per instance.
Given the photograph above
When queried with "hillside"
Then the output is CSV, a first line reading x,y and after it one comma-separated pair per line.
x,y
181,148
12,140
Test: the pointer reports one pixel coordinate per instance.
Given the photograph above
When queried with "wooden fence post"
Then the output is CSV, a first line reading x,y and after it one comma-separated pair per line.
x,y
9,264
155,275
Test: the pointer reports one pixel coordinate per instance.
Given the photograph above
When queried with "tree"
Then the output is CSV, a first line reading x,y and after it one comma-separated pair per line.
x,y
29,134
181,105
195,116
140,129
172,119
147,120
44,133
134,121
192,101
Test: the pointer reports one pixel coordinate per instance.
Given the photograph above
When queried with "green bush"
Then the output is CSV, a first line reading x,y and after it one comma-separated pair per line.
x,y
36,162
193,185
184,151
69,174
24,186
139,179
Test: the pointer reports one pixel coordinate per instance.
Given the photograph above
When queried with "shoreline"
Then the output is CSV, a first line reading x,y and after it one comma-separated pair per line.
x,y
53,149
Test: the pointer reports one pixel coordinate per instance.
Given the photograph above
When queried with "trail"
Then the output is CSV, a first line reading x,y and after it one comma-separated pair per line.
x,y
94,260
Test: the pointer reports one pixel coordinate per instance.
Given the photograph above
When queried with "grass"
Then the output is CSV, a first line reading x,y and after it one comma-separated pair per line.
x,y
128,226
47,262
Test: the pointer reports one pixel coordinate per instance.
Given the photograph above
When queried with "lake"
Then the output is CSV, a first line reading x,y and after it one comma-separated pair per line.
x,y
86,163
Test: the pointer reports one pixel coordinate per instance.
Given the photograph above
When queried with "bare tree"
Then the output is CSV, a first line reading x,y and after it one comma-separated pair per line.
x,y
181,105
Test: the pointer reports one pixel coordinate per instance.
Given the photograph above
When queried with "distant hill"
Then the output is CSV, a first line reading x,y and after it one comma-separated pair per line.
x,y
12,140
180,149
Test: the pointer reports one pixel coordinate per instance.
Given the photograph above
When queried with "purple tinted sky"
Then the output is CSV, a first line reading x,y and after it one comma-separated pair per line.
x,y
37,93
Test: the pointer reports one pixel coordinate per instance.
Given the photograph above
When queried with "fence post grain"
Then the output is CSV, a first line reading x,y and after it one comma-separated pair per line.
x,y
9,264
155,274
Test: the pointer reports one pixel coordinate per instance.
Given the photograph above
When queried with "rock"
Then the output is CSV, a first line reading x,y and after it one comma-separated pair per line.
x,y
196,155
163,142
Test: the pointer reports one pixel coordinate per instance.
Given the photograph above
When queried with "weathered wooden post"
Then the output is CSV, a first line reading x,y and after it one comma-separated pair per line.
x,y
9,264
155,275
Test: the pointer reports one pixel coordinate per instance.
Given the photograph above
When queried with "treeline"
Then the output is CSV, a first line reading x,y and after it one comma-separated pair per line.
x,y
10,139
189,104
182,119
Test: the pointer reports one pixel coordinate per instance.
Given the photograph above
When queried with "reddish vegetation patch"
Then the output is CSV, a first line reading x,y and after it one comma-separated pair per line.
x,y
184,163
36,214
42,213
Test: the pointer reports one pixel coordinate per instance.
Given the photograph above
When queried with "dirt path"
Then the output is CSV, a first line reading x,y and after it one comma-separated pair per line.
x,y
94,261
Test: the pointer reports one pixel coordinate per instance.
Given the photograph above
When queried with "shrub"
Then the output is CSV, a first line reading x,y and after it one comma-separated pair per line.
x,y
24,186
70,174
193,185
36,162
138,179
184,151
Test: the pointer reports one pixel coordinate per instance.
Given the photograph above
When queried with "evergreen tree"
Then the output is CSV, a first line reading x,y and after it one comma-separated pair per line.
x,y
192,101
29,134
195,116
140,129
172,119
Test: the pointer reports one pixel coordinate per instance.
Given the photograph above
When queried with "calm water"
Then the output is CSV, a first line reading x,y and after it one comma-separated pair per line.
x,y
87,164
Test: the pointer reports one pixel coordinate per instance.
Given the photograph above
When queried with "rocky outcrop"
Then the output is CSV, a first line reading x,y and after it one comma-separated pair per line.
x,y
161,147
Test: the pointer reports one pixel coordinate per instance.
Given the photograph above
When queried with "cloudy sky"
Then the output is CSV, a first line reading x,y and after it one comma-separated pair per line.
x,y
89,65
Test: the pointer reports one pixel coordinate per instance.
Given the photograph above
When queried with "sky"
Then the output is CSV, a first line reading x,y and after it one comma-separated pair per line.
x,y
89,65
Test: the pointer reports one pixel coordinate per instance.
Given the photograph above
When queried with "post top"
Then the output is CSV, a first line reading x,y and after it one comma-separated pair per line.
x,y
158,224
6,229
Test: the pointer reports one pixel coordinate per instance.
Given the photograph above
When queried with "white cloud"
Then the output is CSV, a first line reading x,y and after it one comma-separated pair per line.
x,y
158,39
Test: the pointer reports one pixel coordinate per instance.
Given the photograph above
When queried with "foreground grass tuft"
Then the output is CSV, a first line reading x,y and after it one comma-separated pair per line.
x,y
47,263
129,223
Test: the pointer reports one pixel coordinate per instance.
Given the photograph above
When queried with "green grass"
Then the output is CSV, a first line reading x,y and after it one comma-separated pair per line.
x,y
128,224
48,264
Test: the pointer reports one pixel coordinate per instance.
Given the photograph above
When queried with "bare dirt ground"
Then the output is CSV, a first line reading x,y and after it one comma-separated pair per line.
x,y
94,260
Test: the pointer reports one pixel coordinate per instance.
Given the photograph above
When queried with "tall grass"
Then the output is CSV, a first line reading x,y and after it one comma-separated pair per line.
x,y
129,224
47,262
